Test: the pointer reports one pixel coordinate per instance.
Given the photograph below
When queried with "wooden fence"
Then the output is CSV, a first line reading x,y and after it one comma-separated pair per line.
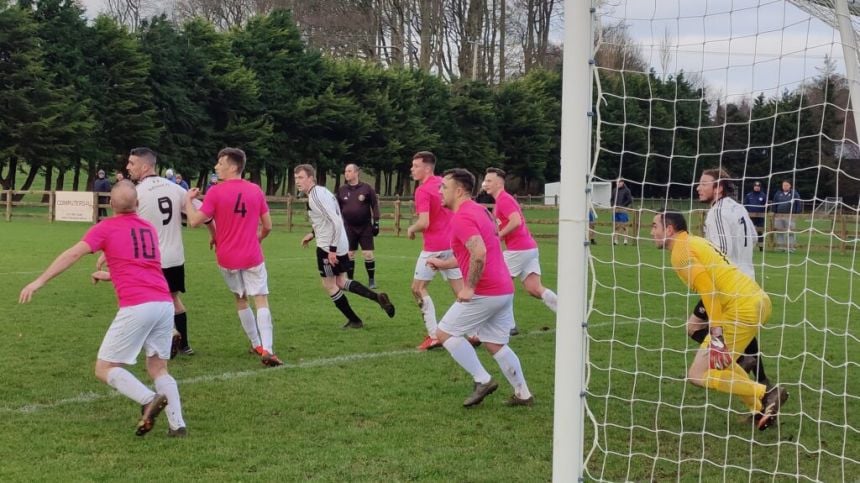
x,y
397,213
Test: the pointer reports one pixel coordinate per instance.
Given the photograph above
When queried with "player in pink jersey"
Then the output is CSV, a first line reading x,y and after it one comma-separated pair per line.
x,y
239,208
521,249
434,220
145,316
485,302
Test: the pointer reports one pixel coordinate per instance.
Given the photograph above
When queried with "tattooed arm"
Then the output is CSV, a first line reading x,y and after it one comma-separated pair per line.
x,y
477,257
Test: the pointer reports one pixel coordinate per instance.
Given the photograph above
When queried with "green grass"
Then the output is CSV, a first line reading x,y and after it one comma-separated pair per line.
x,y
350,405
639,352
363,405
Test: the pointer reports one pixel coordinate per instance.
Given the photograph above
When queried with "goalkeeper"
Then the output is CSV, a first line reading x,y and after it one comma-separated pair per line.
x,y
729,227
736,305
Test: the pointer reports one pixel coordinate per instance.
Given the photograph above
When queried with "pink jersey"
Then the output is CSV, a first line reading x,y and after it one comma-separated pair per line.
x,y
473,219
520,238
236,205
130,245
437,236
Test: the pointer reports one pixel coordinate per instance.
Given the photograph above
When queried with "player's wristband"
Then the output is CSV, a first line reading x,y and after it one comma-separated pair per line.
x,y
332,249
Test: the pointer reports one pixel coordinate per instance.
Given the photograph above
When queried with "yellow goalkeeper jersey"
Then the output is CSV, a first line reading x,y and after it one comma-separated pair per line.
x,y
727,293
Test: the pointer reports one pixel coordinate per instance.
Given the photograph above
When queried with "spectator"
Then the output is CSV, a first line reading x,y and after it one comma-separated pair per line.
x,y
755,202
181,182
213,180
102,185
622,199
785,203
119,176
169,175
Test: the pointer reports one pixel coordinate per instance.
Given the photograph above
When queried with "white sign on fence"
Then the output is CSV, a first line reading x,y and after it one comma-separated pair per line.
x,y
601,194
551,192
73,206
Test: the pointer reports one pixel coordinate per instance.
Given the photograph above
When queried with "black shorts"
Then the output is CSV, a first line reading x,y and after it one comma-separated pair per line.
x,y
699,311
328,270
175,278
359,235
758,221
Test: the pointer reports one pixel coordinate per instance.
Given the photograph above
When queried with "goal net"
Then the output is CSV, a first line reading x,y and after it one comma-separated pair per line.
x,y
762,89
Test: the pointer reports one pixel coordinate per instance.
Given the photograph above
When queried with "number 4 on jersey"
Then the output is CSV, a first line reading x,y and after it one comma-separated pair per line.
x,y
240,206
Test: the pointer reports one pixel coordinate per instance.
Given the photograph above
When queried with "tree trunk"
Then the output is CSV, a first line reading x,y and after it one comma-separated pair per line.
x,y
377,184
502,27
61,180
49,174
426,34
529,47
76,181
256,177
34,170
8,181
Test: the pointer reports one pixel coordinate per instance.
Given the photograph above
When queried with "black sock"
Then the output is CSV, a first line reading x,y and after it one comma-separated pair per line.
x,y
342,304
699,335
360,290
370,265
180,321
350,272
752,350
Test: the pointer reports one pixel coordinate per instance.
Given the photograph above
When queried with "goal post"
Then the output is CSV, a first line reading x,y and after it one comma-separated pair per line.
x,y
570,353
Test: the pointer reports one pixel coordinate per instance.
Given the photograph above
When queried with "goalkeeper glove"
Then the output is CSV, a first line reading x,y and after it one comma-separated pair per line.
x,y
718,353
375,228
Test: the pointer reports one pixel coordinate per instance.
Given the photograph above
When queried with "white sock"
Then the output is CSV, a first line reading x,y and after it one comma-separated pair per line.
x,y
129,386
465,355
428,310
249,323
264,322
166,385
510,364
550,299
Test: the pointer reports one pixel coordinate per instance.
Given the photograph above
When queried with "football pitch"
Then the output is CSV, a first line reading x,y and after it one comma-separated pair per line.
x,y
365,405
348,404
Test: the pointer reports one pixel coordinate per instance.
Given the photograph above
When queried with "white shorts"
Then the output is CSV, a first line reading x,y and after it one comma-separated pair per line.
x,y
522,263
490,317
423,272
146,326
247,282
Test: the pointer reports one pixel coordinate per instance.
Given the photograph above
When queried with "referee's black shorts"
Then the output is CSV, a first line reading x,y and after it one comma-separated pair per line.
x,y
175,278
359,235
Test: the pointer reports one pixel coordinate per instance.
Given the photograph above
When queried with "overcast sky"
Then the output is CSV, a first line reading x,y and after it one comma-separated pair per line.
x,y
738,46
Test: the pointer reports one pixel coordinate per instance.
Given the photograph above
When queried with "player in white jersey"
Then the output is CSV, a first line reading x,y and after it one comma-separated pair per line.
x,y
162,203
729,228
332,248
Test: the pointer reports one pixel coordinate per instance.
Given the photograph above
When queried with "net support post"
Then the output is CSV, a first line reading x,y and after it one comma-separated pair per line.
x,y
849,53
570,354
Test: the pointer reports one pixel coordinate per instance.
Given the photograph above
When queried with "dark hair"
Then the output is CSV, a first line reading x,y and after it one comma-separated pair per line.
x,y
497,171
462,177
675,220
307,168
144,153
426,157
235,156
723,178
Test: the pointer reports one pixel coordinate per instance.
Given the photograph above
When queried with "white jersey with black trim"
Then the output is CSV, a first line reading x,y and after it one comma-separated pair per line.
x,y
729,228
324,213
162,202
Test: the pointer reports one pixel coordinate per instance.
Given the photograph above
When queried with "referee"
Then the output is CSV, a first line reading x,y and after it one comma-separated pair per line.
x,y
359,207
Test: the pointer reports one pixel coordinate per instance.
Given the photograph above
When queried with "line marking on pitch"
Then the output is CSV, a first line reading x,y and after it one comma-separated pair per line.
x,y
91,396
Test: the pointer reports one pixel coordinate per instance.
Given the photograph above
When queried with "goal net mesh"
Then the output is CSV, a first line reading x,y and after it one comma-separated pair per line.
x,y
760,89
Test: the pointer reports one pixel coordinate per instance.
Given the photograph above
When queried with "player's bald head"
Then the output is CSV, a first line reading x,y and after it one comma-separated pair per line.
x,y
123,197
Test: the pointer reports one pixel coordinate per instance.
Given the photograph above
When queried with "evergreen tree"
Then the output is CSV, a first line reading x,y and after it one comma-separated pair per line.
x,y
122,100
